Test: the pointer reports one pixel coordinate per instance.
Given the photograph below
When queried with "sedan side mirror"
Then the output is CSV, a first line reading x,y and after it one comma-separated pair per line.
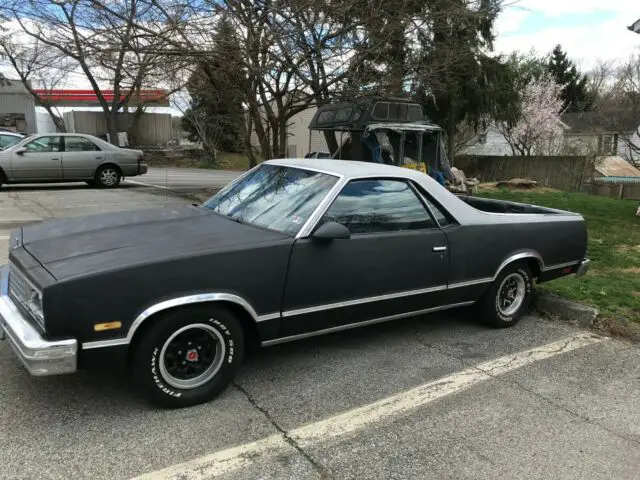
x,y
21,151
332,231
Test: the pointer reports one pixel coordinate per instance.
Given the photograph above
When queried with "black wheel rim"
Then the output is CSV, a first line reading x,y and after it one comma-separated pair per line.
x,y
192,356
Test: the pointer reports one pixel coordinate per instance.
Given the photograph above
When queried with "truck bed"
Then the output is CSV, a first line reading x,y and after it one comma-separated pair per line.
x,y
503,206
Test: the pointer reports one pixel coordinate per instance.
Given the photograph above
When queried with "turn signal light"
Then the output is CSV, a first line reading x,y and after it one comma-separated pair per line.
x,y
101,327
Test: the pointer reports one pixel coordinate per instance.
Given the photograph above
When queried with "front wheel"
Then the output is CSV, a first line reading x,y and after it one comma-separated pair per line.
x,y
188,356
508,297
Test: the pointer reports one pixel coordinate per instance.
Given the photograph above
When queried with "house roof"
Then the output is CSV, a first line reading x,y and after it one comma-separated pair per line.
x,y
616,167
599,122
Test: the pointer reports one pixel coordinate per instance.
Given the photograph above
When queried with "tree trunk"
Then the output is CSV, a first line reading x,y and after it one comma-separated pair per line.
x,y
282,137
451,141
112,127
59,122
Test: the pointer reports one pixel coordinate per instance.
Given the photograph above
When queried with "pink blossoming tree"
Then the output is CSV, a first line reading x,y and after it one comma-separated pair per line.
x,y
539,129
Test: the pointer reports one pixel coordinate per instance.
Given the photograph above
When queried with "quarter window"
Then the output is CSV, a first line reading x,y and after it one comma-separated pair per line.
x,y
79,144
373,206
44,144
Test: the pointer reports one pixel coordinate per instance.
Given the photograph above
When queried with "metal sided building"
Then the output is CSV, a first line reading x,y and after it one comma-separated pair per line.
x,y
17,107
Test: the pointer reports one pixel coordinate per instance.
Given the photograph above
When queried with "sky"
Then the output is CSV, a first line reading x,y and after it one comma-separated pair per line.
x,y
588,30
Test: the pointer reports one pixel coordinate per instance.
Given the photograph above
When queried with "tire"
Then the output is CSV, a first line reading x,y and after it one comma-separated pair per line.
x,y
108,176
495,308
165,369
3,179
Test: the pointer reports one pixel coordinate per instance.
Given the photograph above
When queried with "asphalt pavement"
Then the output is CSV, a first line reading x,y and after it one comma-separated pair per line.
x,y
183,180
439,396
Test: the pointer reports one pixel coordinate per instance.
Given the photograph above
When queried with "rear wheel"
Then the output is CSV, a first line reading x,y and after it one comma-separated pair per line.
x,y
3,179
108,176
508,298
188,356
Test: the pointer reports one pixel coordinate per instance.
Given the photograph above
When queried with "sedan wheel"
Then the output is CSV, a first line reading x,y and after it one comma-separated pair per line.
x,y
108,177
508,298
188,356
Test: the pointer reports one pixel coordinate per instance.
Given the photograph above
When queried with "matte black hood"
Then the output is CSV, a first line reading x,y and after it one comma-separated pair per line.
x,y
81,245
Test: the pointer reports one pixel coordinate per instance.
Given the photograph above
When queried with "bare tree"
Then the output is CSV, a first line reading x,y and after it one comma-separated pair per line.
x,y
37,66
107,48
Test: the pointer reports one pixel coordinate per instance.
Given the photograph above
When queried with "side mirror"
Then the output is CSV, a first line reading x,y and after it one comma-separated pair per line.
x,y
331,231
21,151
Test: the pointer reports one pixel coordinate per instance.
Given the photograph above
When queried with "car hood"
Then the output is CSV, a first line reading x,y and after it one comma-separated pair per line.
x,y
82,245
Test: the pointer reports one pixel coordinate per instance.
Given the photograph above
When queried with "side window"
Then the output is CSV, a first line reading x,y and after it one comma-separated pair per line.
x,y
371,206
441,216
44,145
444,219
79,144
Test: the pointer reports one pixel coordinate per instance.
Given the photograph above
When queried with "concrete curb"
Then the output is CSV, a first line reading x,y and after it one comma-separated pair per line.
x,y
14,224
573,312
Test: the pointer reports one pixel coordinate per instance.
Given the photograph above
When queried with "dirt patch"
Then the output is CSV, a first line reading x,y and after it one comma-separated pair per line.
x,y
628,248
631,270
618,327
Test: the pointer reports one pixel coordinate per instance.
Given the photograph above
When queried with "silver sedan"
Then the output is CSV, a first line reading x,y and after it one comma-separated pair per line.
x,y
69,157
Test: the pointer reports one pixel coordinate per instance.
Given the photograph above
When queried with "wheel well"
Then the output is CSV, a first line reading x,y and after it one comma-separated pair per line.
x,y
108,164
531,262
249,327
533,265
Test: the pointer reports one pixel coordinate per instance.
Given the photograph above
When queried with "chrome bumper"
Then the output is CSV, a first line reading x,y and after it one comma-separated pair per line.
x,y
583,268
39,356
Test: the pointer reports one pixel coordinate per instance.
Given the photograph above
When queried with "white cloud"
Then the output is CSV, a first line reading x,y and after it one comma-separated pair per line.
x,y
585,44
554,8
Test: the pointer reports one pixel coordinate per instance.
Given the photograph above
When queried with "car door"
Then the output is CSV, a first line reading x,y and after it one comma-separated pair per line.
x,y
38,160
395,262
80,158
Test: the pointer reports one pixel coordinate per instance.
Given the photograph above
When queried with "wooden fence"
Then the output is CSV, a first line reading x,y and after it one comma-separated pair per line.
x,y
566,173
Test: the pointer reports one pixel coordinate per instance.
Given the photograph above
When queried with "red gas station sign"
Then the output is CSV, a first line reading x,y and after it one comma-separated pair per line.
x,y
88,98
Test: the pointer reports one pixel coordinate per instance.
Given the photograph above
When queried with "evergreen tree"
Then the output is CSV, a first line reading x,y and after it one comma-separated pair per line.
x,y
458,81
575,93
217,90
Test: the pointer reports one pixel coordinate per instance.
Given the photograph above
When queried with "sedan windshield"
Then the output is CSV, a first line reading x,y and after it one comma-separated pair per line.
x,y
7,141
274,197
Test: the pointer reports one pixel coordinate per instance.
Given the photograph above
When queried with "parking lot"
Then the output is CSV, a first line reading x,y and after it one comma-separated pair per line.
x,y
439,396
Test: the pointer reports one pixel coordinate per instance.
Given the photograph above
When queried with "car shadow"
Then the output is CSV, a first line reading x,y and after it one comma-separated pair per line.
x,y
32,187
98,391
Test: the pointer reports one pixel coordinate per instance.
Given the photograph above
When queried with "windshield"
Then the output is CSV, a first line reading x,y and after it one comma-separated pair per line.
x,y
7,141
274,197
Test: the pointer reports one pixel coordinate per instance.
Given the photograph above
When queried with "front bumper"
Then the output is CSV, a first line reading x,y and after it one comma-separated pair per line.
x,y
39,356
583,268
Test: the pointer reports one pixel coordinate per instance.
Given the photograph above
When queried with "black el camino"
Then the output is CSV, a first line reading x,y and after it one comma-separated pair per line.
x,y
291,249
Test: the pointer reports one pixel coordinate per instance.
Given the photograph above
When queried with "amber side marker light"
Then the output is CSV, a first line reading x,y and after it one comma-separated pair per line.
x,y
101,327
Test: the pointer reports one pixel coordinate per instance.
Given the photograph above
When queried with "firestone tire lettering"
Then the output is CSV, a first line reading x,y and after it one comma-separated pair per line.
x,y
146,357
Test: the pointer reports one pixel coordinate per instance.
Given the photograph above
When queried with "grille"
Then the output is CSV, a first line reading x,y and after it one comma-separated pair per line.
x,y
20,291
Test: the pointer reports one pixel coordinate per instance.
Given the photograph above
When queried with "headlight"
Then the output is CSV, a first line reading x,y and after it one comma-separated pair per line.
x,y
34,304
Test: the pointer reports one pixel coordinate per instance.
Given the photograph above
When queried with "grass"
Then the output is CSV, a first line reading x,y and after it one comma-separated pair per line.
x,y
613,281
227,161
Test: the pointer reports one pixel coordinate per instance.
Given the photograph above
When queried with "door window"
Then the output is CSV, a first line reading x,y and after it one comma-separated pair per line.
x,y
79,144
373,206
44,145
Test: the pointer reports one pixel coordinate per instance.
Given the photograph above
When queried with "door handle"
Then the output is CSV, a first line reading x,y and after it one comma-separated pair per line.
x,y
439,249
55,159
